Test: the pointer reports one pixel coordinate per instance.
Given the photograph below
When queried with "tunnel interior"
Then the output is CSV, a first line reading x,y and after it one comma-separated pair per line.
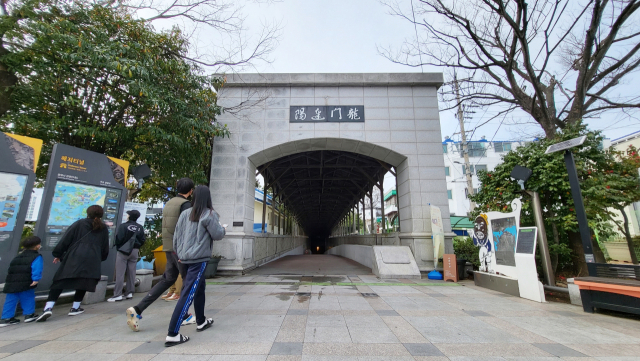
x,y
320,187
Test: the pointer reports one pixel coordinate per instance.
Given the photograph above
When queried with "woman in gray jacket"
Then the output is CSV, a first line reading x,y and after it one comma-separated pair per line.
x,y
193,238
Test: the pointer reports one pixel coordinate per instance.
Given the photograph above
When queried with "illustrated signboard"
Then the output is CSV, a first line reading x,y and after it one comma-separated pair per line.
x,y
20,157
525,257
496,234
77,179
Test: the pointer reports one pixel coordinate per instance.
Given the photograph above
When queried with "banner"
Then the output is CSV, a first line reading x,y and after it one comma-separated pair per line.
x,y
437,232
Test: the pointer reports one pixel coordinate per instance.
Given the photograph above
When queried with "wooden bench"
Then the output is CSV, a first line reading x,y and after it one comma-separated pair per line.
x,y
610,286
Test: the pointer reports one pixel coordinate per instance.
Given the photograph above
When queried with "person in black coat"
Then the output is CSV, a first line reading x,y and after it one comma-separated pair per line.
x,y
80,251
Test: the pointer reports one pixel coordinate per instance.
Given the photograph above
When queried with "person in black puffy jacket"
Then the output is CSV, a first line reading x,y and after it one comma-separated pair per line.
x,y
80,252
25,271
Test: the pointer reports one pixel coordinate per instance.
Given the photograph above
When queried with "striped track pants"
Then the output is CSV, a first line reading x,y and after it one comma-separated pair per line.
x,y
193,287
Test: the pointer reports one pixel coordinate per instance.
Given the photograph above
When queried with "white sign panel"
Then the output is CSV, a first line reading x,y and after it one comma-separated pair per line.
x,y
437,230
140,207
566,144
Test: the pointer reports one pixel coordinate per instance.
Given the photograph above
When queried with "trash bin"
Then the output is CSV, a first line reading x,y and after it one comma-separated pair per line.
x,y
212,267
462,273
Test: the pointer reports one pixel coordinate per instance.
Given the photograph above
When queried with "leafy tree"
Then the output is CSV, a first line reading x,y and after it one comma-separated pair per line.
x,y
604,182
94,78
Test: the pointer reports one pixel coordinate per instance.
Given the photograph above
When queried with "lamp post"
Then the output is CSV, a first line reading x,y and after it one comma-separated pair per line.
x,y
522,174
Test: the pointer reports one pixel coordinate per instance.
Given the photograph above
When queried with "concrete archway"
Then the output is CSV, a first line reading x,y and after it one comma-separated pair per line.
x,y
401,129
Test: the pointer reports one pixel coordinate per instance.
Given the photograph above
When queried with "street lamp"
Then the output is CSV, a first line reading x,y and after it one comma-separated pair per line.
x,y
522,174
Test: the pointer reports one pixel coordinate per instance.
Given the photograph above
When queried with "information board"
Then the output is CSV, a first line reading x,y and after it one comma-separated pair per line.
x,y
140,207
78,178
526,241
17,174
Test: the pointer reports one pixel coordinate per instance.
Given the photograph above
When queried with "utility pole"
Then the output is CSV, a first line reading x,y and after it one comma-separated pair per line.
x,y
465,148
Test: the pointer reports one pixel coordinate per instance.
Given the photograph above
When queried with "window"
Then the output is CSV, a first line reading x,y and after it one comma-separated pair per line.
x,y
476,190
480,167
446,171
444,148
476,149
464,170
501,147
449,194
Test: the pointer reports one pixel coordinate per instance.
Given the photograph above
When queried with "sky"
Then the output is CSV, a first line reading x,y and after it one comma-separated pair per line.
x,y
342,36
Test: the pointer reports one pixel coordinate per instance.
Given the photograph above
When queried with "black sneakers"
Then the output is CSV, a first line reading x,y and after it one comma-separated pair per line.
x,y
30,318
76,311
9,322
46,314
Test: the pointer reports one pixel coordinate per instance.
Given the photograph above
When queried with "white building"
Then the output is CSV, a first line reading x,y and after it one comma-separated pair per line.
x,y
483,155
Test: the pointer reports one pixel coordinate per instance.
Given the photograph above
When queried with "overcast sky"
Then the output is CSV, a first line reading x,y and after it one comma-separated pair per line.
x,y
340,36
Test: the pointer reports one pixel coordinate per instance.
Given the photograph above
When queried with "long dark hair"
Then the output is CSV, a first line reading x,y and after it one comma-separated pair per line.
x,y
95,212
201,202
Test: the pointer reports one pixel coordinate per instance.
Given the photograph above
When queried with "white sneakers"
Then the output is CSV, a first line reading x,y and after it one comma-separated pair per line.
x,y
132,319
130,296
115,299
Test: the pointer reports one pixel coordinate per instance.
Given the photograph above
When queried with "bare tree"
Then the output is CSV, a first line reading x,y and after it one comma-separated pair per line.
x,y
227,47
558,60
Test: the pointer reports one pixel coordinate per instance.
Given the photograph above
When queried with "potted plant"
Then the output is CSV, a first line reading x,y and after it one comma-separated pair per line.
x,y
212,266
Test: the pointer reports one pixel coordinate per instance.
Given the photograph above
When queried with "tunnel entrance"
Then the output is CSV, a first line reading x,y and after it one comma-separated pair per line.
x,y
323,188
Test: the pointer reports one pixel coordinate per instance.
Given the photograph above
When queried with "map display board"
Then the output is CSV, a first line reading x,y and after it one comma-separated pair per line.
x,y
12,188
78,178
20,157
70,203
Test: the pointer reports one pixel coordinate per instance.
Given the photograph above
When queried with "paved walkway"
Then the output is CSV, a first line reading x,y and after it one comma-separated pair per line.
x,y
312,264
290,318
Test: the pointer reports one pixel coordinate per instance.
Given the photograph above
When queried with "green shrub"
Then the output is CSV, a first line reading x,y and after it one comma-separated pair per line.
x,y
464,248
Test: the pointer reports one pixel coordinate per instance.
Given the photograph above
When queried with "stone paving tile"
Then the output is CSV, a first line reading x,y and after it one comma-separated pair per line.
x,y
5,343
110,347
326,321
372,335
91,357
318,334
431,358
172,357
15,347
513,330
493,349
286,348
291,335
149,348
297,312
284,358
557,349
422,349
64,347
220,348
355,349
238,358
403,330
3,355
476,313
387,313
29,357
607,350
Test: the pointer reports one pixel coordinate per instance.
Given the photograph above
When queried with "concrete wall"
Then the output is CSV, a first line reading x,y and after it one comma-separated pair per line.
x,y
242,254
359,253
423,252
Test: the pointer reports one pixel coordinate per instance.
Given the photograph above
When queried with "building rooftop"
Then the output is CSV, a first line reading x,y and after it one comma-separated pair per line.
x,y
333,79
626,138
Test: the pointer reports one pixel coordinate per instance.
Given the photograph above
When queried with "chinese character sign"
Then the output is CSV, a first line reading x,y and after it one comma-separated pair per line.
x,y
328,113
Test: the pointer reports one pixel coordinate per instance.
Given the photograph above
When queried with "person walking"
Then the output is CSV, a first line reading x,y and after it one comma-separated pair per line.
x,y
129,238
170,215
195,232
81,250
25,271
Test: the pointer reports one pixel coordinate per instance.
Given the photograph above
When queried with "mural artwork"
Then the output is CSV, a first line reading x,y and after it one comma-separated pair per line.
x,y
481,239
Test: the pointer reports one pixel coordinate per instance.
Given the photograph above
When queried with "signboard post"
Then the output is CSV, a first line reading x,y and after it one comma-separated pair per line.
x,y
77,179
576,193
17,173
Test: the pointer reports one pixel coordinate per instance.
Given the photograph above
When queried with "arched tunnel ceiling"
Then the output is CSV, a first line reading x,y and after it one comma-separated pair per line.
x,y
320,187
